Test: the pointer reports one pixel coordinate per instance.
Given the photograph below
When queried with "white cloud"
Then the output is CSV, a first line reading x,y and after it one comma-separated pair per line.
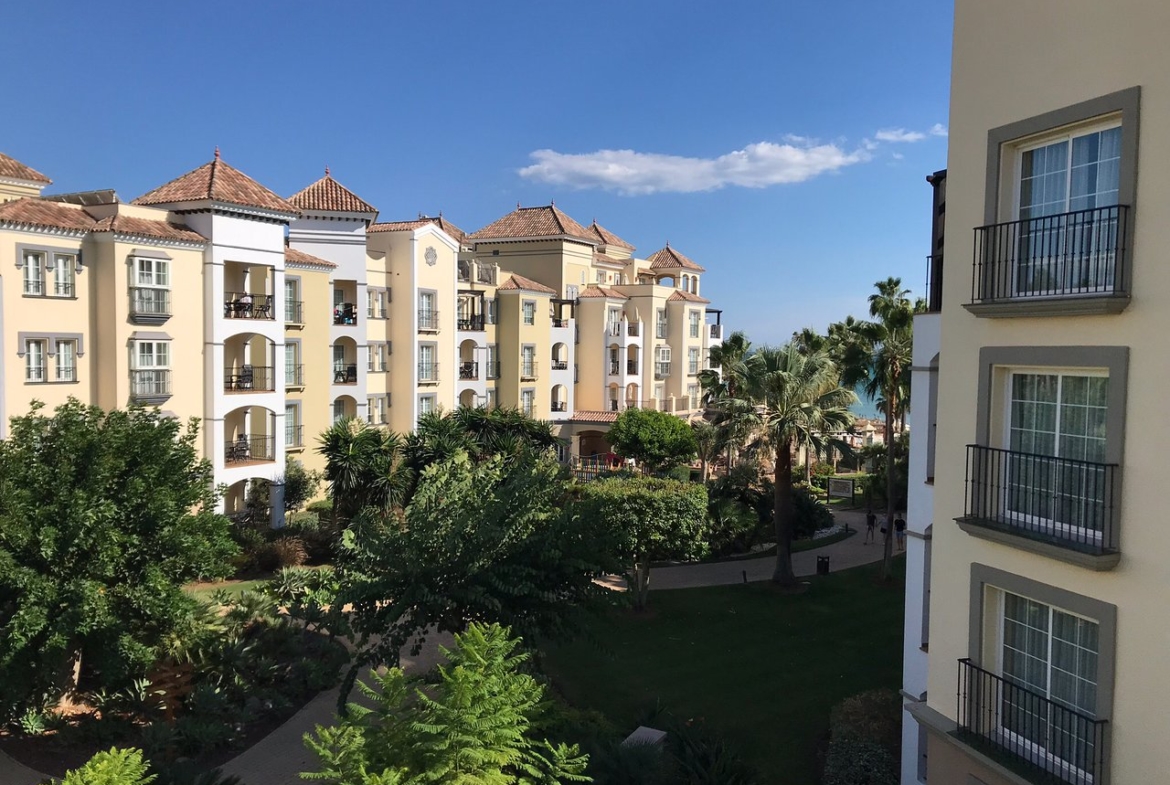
x,y
899,135
631,172
938,129
898,156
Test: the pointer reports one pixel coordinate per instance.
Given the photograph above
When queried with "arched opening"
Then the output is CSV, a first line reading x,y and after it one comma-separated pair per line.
x,y
614,401
667,280
632,359
468,364
345,359
632,399
560,357
468,398
560,398
249,364
249,436
344,406
248,502
615,359
694,284
686,283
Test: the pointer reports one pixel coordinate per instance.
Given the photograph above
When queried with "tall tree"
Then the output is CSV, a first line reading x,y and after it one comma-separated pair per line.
x,y
656,439
788,399
364,468
104,516
708,443
723,380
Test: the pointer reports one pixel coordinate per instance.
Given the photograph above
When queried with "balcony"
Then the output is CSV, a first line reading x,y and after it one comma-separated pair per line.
x,y
715,332
615,367
559,322
1056,264
469,371
633,329
345,373
560,365
463,271
149,305
661,370
249,378
294,312
474,323
560,406
528,369
428,373
632,367
294,437
150,386
1056,506
485,273
428,321
245,305
249,449
294,376
345,314
1030,733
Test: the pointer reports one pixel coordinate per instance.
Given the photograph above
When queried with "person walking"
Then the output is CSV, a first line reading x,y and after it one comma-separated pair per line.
x,y
900,532
870,522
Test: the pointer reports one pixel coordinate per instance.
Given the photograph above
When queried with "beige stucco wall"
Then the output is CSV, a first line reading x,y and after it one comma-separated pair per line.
x,y
1003,72
316,405
554,263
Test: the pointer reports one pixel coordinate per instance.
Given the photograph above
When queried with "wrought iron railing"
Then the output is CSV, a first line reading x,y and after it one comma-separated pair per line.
x,y
560,365
560,406
346,313
1069,503
631,366
248,378
294,312
615,367
633,329
1071,254
428,372
473,322
245,305
716,331
345,373
528,369
428,320
661,370
492,370
247,447
1043,738
294,376
469,370
294,436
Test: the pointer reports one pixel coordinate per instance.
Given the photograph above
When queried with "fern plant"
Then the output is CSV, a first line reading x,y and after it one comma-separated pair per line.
x,y
112,767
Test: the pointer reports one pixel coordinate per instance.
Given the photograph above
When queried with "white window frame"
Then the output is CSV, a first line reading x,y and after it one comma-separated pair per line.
x,y
66,372
528,311
693,360
290,424
35,372
695,323
528,401
426,404
64,274
33,275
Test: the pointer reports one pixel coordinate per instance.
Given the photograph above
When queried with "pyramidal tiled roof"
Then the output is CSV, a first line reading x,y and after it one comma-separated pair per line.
x,y
408,226
607,237
681,296
219,182
146,227
668,259
300,257
12,168
525,222
328,195
520,283
593,290
50,215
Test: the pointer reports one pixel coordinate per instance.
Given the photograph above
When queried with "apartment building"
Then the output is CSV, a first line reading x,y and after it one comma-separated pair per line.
x,y
1046,571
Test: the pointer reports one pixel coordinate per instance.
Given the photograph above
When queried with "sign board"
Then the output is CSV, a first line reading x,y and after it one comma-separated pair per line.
x,y
839,488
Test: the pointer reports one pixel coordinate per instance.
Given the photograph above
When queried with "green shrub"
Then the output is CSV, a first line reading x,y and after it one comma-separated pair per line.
x,y
113,767
680,473
854,761
811,514
732,527
317,533
281,553
636,764
865,740
704,756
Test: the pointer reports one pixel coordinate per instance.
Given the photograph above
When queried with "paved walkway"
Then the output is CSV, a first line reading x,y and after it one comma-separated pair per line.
x,y
281,756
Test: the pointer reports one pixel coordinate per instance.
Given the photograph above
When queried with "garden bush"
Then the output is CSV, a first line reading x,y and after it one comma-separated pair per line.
x,y
318,534
280,553
865,740
811,514
733,528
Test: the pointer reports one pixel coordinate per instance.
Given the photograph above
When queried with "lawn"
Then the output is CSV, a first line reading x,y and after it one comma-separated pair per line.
x,y
764,668
204,591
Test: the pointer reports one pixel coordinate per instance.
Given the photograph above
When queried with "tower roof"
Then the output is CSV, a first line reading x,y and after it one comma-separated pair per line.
x,y
14,169
219,182
670,259
607,237
328,195
534,222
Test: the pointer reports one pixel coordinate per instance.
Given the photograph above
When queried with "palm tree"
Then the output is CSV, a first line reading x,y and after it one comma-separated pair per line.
x,y
723,380
787,399
364,468
709,443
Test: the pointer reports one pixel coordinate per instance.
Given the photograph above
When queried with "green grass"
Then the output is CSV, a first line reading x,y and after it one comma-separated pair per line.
x,y
204,590
762,667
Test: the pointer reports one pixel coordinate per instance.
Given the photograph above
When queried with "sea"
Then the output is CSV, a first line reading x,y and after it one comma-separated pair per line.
x,y
865,407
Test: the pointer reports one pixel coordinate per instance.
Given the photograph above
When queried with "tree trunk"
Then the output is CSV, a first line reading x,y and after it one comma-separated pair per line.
x,y
782,516
888,545
641,585
808,462
703,469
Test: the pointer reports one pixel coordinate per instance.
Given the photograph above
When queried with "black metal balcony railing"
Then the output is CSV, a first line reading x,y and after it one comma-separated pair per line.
x,y
528,369
294,376
559,322
615,367
294,312
428,372
248,378
632,366
150,382
428,320
934,280
1071,254
34,287
661,370
1041,737
1064,502
473,322
346,313
245,305
560,406
246,447
294,437
345,373
150,302
715,331
633,329
614,406
469,370
560,365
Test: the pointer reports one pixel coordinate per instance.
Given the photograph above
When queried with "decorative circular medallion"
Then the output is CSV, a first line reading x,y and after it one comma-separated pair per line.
x,y
431,255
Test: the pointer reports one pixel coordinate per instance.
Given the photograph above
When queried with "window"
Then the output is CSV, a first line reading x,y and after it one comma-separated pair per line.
x,y
660,323
693,395
34,273
660,392
292,373
370,298
571,292
34,361
693,361
338,411
66,361
376,410
153,354
63,274
490,310
527,401
601,276
619,279
695,323
662,361
493,366
338,297
338,358
155,273
529,312
615,320
1057,416
427,370
292,303
491,398
292,433
528,361
150,363
426,404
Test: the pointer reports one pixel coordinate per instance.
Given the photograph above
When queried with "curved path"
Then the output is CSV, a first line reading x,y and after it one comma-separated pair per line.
x,y
280,756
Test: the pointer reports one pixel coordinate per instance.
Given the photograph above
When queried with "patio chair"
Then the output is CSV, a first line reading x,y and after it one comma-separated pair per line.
x,y
246,378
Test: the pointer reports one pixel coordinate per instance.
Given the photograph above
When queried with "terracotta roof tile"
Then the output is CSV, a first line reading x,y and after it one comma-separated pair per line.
x,y
294,256
146,227
525,222
670,259
10,167
328,195
600,257
585,415
409,226
217,181
681,296
607,237
593,290
52,215
520,283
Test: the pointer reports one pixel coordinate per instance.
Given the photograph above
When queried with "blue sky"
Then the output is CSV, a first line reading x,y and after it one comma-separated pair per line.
x,y
782,145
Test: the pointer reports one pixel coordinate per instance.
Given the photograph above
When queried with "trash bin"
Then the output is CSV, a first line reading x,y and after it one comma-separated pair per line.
x,y
822,565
